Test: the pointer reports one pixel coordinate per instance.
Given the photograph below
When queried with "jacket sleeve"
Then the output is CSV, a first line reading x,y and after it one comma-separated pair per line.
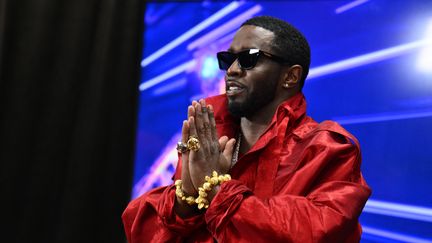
x,y
151,217
327,212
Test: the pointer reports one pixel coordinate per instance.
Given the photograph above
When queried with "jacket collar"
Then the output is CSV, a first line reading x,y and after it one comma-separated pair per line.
x,y
293,108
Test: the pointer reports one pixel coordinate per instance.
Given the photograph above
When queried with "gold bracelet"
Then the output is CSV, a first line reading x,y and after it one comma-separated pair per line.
x,y
215,180
179,192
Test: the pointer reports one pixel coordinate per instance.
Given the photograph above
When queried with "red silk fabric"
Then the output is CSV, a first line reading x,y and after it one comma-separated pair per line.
x,y
300,182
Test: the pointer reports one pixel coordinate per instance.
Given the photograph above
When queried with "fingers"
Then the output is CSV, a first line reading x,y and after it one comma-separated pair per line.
x,y
225,159
195,121
191,111
201,124
205,118
193,132
203,128
212,122
185,132
209,127
187,183
184,138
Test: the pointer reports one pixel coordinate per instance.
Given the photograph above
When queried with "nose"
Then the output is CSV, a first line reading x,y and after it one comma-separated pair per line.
x,y
234,69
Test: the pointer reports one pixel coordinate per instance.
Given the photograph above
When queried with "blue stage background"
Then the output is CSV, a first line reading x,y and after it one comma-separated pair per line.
x,y
371,71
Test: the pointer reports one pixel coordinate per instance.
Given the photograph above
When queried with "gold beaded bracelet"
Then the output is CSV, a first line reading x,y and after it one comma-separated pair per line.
x,y
215,180
201,200
179,192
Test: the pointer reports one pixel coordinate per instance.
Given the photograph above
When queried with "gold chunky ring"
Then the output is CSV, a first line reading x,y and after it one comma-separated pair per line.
x,y
182,147
193,143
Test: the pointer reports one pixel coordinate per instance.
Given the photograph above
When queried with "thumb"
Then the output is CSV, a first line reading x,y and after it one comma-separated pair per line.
x,y
229,148
222,143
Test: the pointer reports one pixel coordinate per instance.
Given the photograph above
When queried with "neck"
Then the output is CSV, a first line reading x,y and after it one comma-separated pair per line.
x,y
254,126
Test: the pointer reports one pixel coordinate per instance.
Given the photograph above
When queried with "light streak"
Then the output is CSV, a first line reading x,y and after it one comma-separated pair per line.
x,y
398,210
317,71
193,31
358,119
166,75
170,87
424,61
227,27
392,235
349,6
364,59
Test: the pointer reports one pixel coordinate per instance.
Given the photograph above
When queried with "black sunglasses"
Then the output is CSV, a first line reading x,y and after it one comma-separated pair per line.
x,y
246,59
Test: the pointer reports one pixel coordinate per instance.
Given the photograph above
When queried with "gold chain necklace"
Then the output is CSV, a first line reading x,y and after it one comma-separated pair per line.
x,y
236,150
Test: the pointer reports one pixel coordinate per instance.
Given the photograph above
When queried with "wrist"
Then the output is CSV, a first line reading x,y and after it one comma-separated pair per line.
x,y
210,188
183,209
213,193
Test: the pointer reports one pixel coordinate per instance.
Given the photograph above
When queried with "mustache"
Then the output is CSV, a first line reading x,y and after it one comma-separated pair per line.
x,y
234,82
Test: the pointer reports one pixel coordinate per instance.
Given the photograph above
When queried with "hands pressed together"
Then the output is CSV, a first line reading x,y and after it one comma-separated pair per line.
x,y
214,154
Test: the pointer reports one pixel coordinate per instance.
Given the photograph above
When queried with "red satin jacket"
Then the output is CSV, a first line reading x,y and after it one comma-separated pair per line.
x,y
300,182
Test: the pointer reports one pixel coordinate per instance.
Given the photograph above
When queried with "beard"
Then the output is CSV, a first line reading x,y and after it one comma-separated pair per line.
x,y
262,94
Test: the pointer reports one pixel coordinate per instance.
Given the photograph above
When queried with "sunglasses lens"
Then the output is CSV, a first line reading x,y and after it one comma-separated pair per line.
x,y
226,59
247,59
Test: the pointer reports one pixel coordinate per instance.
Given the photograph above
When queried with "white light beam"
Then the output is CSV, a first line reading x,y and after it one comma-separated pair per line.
x,y
166,75
349,6
227,27
179,40
364,59
398,210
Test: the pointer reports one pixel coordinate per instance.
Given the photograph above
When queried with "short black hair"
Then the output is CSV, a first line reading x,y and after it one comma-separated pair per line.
x,y
288,42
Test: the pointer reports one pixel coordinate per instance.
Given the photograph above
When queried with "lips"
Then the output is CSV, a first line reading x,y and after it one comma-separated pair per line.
x,y
234,88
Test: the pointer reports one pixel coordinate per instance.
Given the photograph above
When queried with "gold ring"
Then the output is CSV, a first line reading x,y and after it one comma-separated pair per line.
x,y
193,143
182,147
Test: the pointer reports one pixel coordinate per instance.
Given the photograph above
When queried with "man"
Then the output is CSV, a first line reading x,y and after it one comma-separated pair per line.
x,y
292,179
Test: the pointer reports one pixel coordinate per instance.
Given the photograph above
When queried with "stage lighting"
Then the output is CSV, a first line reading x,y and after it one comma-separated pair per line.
x,y
191,32
424,61
209,68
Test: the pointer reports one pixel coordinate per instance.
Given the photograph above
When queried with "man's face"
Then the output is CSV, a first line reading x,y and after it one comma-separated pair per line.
x,y
251,90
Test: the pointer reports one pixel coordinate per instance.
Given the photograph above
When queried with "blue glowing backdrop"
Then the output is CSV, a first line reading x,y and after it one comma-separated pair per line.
x,y
371,71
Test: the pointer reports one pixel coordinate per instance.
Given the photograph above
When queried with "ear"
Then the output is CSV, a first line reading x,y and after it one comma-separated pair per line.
x,y
292,76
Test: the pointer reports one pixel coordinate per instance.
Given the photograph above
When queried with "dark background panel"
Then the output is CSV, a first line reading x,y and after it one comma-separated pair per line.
x,y
69,75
